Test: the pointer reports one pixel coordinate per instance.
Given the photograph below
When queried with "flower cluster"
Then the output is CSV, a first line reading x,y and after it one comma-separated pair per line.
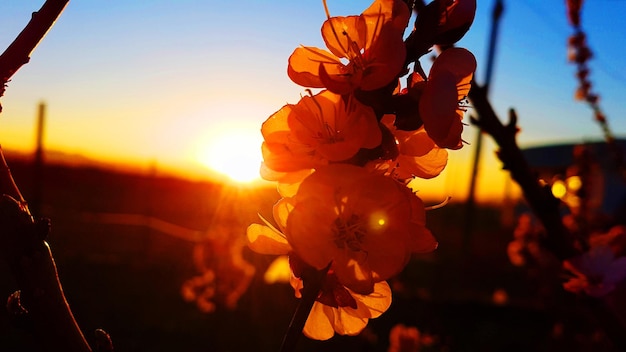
x,y
525,248
579,54
224,274
598,271
409,339
343,155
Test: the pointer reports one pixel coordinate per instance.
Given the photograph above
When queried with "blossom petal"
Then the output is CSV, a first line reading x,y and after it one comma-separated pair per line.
x,y
616,271
365,231
309,230
439,109
355,274
419,155
304,63
427,166
281,211
288,182
374,304
455,20
423,241
388,55
448,83
318,325
346,323
265,240
344,35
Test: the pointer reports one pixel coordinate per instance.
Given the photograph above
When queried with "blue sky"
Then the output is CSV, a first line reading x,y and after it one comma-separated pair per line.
x,y
144,81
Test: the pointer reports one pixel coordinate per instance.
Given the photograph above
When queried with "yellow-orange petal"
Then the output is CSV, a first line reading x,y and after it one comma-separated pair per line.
x,y
304,63
360,222
262,239
387,55
419,155
414,143
340,79
318,325
278,271
328,127
290,157
348,324
281,211
324,321
425,166
393,12
344,35
374,304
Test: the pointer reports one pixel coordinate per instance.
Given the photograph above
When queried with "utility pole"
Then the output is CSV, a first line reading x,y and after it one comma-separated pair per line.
x,y
471,198
38,167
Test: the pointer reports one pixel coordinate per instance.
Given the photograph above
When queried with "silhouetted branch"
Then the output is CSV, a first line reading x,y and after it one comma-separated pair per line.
x,y
29,258
40,299
544,205
539,198
313,281
7,184
18,53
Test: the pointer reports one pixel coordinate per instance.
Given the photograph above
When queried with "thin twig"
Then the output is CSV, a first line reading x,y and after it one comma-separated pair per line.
x,y
22,239
544,205
18,52
23,247
539,198
7,184
313,281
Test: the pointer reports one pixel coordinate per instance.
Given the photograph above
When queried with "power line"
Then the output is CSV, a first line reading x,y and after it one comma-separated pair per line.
x,y
601,65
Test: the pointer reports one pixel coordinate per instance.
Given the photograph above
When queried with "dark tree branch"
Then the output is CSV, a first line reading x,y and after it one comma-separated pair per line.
x,y
544,205
18,53
28,256
22,239
539,198
313,281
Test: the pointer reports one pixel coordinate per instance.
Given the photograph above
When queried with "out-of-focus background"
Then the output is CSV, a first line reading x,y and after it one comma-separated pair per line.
x,y
151,150
169,84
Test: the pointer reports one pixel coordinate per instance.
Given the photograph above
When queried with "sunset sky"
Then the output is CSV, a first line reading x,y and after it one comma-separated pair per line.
x,y
162,81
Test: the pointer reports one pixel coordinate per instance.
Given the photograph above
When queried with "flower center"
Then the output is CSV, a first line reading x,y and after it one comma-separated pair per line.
x,y
317,125
349,233
334,294
353,52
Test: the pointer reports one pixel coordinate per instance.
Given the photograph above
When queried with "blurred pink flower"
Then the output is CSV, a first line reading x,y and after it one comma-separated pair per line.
x,y
596,272
614,238
404,338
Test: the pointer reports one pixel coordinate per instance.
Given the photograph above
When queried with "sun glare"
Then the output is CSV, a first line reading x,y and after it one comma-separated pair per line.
x,y
235,154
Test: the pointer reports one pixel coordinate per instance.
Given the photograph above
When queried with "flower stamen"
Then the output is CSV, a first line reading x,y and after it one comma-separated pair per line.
x,y
349,233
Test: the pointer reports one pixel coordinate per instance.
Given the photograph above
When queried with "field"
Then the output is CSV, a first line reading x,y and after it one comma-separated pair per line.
x,y
126,276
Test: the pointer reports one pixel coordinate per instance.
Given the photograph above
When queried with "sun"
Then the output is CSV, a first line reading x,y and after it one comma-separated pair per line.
x,y
235,154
